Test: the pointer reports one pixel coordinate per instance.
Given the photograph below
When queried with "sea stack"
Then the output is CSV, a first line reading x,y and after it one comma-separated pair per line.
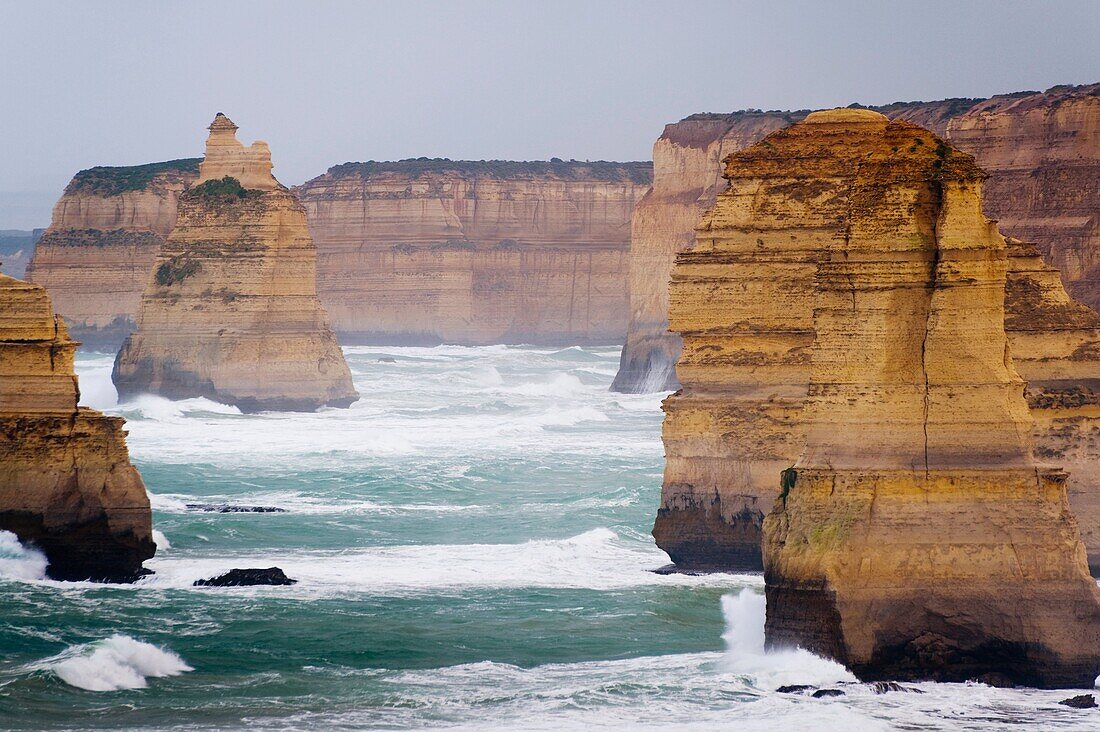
x,y
230,309
66,482
746,373
915,537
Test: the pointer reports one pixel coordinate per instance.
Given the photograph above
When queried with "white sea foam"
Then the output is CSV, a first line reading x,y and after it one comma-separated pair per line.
x,y
598,559
745,655
18,561
117,662
161,541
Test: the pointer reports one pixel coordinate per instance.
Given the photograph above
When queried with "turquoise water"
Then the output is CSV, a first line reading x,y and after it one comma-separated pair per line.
x,y
472,547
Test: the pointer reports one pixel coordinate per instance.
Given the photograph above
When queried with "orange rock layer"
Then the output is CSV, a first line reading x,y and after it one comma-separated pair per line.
x,y
862,313
66,482
1042,151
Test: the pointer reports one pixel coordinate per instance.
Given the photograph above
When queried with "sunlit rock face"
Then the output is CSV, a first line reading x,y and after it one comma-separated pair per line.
x,y
740,423
843,310
230,308
100,247
66,482
440,251
1042,150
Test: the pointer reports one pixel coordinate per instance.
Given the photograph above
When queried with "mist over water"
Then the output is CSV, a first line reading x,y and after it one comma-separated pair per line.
x,y
472,546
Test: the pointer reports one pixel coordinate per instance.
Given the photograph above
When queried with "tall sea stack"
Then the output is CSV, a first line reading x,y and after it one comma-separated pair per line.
x,y
914,537
66,482
230,309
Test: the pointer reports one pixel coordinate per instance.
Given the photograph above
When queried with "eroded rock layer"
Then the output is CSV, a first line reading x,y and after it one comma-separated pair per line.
x,y
100,247
914,537
1042,151
230,309
431,251
740,423
66,482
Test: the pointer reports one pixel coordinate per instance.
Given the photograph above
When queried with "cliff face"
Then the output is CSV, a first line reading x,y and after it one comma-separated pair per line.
x,y
1041,150
738,422
430,251
915,538
100,247
1043,155
66,482
230,309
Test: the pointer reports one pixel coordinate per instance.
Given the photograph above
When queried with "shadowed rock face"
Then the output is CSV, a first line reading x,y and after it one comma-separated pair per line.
x,y
98,252
66,482
853,290
230,311
1041,150
434,251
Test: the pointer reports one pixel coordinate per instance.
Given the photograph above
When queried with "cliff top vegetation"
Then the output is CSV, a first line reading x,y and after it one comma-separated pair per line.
x,y
104,180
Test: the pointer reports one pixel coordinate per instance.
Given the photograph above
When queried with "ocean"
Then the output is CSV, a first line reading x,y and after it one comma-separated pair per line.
x,y
471,544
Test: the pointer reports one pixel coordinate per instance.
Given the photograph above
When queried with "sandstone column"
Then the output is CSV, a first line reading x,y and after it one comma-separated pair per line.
x,y
66,482
915,537
230,310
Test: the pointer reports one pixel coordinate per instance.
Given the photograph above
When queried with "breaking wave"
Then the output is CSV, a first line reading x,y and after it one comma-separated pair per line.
x,y
117,662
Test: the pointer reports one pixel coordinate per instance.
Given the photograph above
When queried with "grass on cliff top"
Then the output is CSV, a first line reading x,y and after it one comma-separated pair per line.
x,y
225,189
640,172
110,181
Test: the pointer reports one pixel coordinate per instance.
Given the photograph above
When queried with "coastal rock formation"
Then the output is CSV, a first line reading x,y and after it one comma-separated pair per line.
x,y
97,253
914,538
230,310
1042,151
738,421
1055,345
430,251
66,482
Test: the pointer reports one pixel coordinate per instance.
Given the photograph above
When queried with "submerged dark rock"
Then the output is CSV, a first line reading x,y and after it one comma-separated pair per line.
x,y
247,577
793,689
822,693
1082,701
885,687
230,508
997,680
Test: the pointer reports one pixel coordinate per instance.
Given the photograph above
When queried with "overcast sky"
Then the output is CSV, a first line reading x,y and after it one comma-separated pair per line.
x,y
119,83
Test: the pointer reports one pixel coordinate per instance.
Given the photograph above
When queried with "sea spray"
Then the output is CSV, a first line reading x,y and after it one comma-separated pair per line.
x,y
20,562
117,662
745,655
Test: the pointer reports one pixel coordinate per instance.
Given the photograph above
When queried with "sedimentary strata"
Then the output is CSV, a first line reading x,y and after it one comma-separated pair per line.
x,y
855,318
66,482
230,310
1041,149
100,247
430,251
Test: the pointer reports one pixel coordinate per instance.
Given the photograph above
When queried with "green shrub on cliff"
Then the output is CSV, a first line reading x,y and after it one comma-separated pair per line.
x,y
228,188
111,181
176,269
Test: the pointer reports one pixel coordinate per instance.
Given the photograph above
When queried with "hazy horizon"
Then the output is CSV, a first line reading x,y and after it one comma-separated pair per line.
x,y
330,82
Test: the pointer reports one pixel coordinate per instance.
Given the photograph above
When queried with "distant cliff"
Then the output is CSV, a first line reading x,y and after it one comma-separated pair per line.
x,y
100,247
427,251
1041,149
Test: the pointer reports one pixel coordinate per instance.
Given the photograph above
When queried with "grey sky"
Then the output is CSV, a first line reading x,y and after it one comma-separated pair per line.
x,y
116,83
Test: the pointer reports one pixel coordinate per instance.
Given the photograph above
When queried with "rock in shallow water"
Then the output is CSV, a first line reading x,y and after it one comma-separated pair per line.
x,y
1082,701
247,578
231,508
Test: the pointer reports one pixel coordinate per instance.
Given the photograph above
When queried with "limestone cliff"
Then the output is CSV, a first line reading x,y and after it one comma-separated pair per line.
x,y
1042,151
737,422
97,253
914,538
230,308
66,482
429,251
